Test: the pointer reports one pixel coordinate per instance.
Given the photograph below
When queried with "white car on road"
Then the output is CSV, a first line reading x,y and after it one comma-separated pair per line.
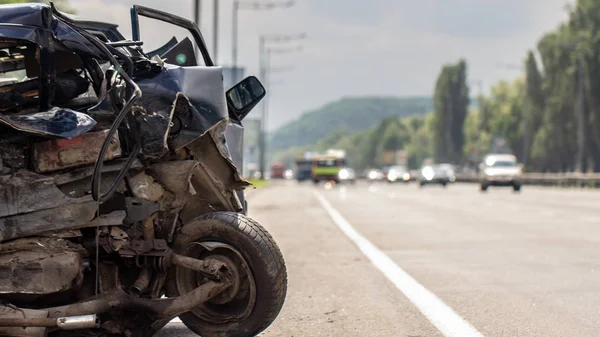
x,y
500,170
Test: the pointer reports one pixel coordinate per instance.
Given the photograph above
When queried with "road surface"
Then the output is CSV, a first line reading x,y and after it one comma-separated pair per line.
x,y
396,260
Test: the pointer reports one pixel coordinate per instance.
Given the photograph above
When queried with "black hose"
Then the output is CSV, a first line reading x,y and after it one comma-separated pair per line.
x,y
135,95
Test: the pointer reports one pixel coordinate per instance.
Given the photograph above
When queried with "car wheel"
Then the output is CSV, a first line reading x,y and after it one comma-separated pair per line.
x,y
258,270
483,187
517,188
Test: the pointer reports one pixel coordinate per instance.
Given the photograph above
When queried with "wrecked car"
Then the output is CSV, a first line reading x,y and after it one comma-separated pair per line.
x,y
120,205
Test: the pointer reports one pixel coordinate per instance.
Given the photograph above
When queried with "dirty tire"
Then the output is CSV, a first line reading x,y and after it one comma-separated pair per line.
x,y
264,258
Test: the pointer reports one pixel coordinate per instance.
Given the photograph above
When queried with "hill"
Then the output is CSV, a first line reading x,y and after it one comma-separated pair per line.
x,y
351,114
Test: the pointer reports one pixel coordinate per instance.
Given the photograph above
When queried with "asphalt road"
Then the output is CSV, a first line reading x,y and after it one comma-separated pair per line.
x,y
397,260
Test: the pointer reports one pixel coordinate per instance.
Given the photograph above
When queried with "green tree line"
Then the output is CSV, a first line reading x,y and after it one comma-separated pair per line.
x,y
548,117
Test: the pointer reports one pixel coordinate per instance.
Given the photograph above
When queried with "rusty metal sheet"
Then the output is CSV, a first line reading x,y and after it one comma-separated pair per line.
x,y
26,191
58,154
61,178
40,271
55,219
175,175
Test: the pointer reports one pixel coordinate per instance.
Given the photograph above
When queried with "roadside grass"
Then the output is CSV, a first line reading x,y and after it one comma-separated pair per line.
x,y
259,182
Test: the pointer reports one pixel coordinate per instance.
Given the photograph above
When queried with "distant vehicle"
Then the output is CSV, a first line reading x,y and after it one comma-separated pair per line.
x,y
500,170
304,169
442,174
398,173
347,174
289,174
374,174
384,172
327,168
278,171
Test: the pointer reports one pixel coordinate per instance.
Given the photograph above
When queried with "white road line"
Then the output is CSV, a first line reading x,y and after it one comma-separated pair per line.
x,y
439,314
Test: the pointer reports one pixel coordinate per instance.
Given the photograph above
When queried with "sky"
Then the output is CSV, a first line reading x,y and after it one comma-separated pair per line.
x,y
358,47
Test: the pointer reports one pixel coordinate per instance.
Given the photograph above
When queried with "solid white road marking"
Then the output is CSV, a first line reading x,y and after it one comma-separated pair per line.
x,y
439,314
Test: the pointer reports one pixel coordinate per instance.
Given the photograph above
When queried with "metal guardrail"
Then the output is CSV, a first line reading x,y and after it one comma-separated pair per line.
x,y
545,179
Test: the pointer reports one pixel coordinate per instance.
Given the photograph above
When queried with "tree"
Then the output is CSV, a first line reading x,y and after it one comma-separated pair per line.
x,y
535,102
451,101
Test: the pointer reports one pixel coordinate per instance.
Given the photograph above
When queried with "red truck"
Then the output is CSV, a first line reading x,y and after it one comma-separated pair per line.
x,y
278,171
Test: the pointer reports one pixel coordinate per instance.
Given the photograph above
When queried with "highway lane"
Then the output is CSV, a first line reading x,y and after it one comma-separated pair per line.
x,y
510,264
333,290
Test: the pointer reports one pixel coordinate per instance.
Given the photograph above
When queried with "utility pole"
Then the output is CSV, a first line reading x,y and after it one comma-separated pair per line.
x,y
263,128
265,116
579,164
237,5
234,33
197,10
264,64
215,30
197,7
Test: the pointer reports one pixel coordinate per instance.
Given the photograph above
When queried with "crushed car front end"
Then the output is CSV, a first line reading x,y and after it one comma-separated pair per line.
x,y
107,155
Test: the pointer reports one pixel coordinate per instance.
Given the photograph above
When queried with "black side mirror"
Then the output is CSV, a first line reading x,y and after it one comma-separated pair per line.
x,y
244,96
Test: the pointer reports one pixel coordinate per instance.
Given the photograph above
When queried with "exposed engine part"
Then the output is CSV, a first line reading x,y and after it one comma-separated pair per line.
x,y
78,322
142,282
143,186
58,154
139,209
118,299
63,323
8,313
13,151
40,266
210,267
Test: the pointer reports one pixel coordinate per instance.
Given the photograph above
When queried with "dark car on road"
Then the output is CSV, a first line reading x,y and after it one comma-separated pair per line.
x,y
440,174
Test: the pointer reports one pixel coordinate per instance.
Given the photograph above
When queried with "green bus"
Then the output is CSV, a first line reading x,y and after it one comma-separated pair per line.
x,y
327,168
